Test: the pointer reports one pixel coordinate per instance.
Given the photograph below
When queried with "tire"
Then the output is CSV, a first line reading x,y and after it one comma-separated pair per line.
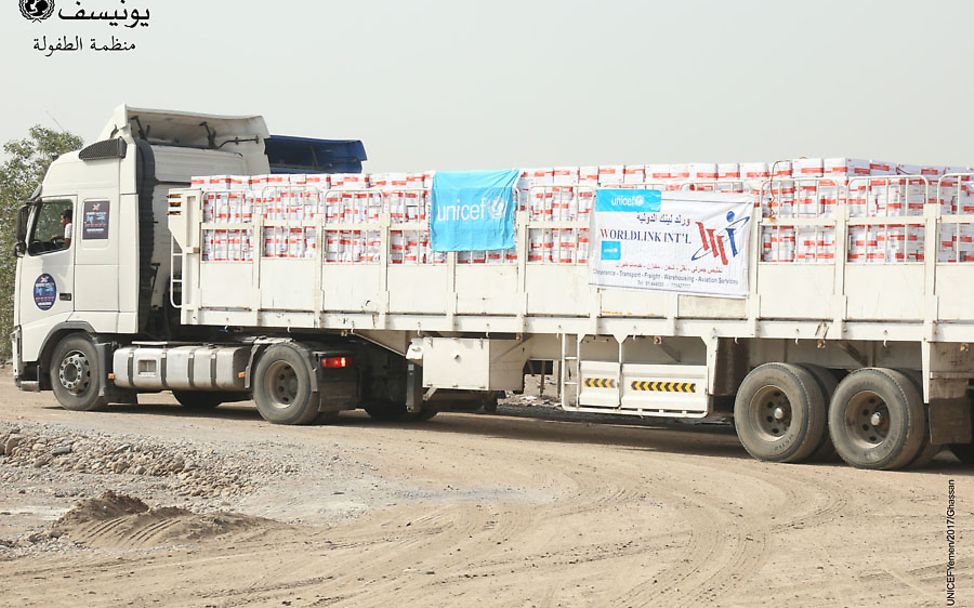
x,y
827,381
877,419
282,386
198,400
780,413
963,451
76,374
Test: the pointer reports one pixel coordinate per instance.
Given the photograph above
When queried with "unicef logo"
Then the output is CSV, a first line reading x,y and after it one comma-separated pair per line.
x,y
629,201
36,10
497,208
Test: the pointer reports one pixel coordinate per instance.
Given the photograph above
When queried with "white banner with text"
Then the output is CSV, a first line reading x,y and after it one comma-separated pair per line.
x,y
688,242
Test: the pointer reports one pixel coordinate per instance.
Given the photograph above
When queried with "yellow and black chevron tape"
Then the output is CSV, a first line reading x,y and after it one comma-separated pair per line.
x,y
664,387
600,383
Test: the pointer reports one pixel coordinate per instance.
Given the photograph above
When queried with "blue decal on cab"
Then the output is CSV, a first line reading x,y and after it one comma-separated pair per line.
x,y
45,291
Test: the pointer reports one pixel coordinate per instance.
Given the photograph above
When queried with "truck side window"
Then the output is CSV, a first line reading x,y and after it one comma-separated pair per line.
x,y
53,227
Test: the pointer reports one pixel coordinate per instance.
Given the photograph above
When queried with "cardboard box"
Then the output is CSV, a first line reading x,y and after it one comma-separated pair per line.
x,y
565,176
807,167
611,175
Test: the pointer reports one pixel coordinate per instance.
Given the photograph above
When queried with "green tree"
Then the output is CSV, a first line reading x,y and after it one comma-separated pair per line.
x,y
26,160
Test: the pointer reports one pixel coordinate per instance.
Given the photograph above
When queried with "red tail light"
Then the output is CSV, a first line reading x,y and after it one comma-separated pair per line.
x,y
335,362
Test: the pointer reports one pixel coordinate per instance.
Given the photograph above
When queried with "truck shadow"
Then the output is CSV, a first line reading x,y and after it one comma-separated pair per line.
x,y
531,424
542,424
637,435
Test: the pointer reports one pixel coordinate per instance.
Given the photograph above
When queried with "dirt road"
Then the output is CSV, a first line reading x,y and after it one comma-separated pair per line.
x,y
465,510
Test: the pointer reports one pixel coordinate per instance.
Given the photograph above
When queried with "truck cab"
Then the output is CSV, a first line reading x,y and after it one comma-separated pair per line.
x,y
93,244
110,275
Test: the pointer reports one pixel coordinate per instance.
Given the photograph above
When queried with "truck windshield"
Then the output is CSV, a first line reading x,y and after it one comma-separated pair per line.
x,y
52,228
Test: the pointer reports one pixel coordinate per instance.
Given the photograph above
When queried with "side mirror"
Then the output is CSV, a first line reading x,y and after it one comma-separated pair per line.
x,y
20,247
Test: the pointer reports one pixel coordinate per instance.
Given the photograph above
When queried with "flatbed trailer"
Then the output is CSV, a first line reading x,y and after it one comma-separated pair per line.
x,y
870,360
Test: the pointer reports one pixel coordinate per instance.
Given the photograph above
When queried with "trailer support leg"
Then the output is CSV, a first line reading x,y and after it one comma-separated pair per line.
x,y
414,388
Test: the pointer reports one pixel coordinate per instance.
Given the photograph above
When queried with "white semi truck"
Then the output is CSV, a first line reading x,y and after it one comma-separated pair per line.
x,y
869,361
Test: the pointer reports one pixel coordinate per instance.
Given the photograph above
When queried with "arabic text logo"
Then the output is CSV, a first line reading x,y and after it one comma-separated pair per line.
x,y
712,239
36,10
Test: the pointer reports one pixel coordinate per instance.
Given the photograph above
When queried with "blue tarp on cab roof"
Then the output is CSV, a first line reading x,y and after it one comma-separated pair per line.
x,y
290,154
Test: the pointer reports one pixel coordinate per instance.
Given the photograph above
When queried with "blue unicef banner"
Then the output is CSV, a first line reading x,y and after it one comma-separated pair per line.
x,y
473,210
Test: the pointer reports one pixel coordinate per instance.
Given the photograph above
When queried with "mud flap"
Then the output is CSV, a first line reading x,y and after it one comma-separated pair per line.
x,y
950,421
107,388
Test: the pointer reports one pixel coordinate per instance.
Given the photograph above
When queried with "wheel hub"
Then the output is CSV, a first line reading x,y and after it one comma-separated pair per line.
x,y
868,419
772,412
283,384
74,372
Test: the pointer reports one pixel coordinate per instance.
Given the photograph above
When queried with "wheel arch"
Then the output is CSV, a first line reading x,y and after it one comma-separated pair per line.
x,y
51,340
260,348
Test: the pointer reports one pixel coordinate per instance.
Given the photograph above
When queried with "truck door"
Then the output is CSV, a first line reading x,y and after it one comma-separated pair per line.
x,y
46,271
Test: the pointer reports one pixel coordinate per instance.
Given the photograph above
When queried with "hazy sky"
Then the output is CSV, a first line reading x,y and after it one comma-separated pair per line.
x,y
456,84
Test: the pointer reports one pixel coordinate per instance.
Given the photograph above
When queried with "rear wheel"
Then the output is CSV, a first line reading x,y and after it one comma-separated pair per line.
x,y
780,413
282,386
877,420
825,452
76,374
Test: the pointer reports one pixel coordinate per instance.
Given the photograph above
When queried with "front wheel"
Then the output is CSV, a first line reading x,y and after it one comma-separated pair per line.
x,y
76,374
